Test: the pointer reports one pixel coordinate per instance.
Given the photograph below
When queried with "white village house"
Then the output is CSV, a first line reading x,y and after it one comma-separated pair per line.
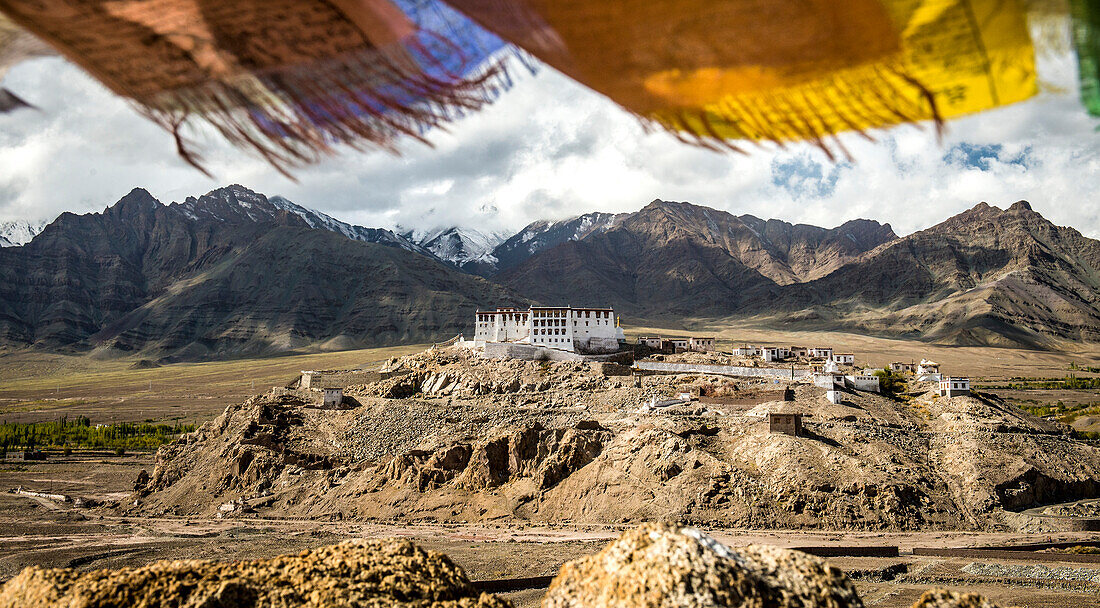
x,y
844,358
774,353
589,330
820,353
678,344
703,345
954,386
929,371
830,379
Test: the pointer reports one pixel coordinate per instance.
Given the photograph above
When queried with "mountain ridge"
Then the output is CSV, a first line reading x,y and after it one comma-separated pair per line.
x,y
986,276
127,278
211,277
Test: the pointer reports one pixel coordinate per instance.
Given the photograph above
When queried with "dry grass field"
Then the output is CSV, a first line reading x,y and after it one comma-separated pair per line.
x,y
36,386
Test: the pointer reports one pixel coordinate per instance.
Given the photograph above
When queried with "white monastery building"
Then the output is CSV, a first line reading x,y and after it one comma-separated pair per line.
x,y
586,330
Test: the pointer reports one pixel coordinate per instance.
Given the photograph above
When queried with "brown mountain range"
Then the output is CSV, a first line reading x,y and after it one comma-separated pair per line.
x,y
986,276
227,274
233,273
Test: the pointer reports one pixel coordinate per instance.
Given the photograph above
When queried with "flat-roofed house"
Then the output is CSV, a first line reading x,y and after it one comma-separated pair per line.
x,y
333,398
678,344
863,382
820,353
653,342
954,386
703,345
787,424
844,358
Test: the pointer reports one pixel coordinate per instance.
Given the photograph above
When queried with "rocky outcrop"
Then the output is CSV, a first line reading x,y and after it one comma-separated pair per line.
x,y
593,456
665,566
545,456
255,447
391,573
462,373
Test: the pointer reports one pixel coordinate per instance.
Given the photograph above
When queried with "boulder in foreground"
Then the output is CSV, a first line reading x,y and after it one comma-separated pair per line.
x,y
665,566
392,573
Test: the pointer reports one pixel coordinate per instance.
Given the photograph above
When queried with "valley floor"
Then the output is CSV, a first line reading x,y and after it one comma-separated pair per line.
x,y
39,531
43,533
37,386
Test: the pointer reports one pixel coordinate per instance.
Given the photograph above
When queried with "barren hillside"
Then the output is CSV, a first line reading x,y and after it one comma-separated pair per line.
x,y
461,439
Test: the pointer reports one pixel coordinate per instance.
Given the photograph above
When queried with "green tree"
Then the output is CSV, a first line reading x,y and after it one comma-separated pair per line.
x,y
891,382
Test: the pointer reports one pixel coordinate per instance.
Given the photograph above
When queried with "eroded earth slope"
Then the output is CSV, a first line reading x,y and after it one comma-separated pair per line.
x,y
458,438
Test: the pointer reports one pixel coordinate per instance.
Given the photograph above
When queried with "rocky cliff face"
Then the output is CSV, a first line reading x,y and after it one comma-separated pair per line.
x,y
225,274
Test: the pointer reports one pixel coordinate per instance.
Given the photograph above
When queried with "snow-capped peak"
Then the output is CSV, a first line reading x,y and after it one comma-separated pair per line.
x,y
19,232
457,245
317,219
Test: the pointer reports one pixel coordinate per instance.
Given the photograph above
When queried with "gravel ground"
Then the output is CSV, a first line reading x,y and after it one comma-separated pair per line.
x,y
1034,571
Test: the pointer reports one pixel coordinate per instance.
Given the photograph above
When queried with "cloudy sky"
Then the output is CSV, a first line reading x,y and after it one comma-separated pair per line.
x,y
552,149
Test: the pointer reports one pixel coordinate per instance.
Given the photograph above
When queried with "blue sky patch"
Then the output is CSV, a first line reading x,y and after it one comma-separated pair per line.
x,y
803,177
983,156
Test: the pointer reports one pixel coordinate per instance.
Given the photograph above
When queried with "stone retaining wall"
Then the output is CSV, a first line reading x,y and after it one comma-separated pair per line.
x,y
722,370
528,352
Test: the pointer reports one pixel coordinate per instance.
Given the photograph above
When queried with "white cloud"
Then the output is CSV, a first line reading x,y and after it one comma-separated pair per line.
x,y
551,149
